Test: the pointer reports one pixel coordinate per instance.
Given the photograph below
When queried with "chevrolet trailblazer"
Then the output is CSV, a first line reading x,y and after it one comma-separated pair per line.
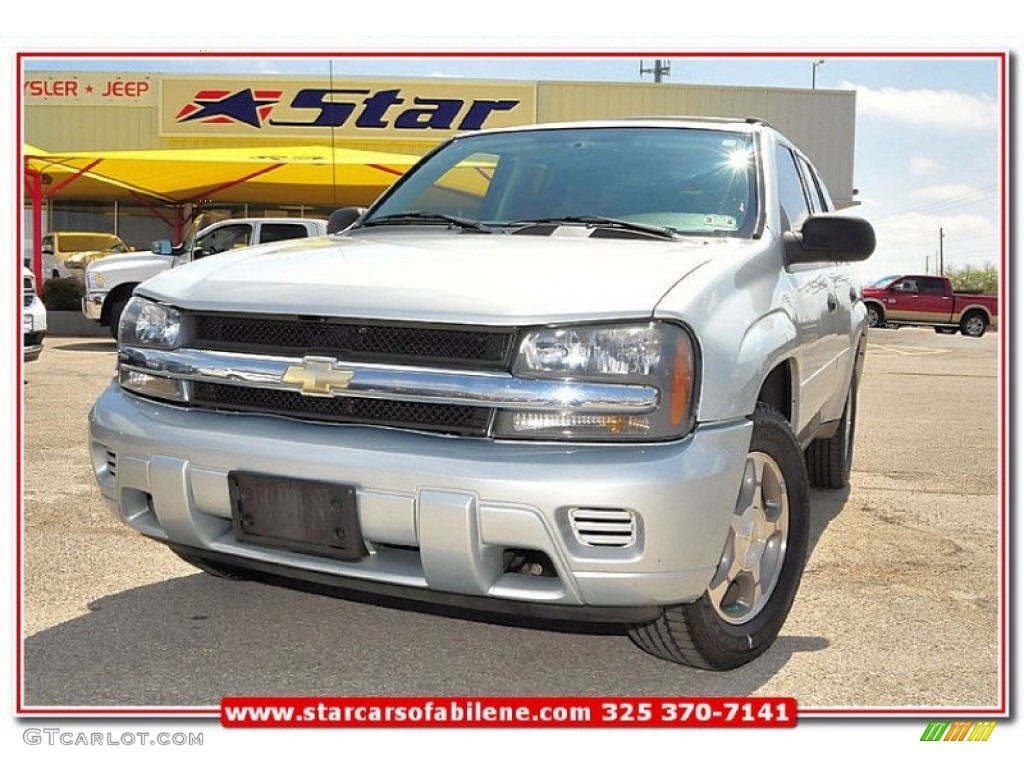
x,y
585,370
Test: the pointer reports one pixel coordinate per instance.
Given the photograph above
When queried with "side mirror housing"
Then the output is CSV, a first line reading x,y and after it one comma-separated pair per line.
x,y
343,218
161,247
827,237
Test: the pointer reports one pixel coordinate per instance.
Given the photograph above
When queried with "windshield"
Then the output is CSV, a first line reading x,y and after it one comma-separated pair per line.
x,y
688,180
882,282
87,241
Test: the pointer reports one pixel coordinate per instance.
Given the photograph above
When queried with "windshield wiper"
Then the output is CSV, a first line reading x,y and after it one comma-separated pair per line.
x,y
426,217
664,233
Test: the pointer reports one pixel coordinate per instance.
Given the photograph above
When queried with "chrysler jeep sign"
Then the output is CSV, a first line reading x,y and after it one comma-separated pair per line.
x,y
364,109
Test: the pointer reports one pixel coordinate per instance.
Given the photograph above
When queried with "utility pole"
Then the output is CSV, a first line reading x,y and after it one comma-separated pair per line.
x,y
661,68
927,264
942,256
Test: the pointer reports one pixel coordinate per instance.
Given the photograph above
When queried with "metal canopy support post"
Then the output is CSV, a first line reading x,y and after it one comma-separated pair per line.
x,y
34,183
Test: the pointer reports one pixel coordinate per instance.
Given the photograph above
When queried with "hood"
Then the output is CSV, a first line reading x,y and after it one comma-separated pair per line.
x,y
123,260
429,274
79,259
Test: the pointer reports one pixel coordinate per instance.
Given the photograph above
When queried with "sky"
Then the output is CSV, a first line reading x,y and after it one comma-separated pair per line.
x,y
927,150
927,156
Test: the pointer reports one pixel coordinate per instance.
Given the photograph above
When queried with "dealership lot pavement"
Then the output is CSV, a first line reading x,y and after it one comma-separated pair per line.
x,y
899,604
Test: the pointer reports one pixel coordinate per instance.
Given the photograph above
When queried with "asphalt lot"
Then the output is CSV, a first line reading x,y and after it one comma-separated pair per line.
x,y
898,607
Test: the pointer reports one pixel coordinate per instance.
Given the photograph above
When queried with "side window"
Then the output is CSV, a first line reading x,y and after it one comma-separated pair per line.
x,y
791,189
906,285
819,202
931,285
271,233
223,239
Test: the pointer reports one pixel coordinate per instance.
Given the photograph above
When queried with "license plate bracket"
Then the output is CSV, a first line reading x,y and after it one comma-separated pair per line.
x,y
307,516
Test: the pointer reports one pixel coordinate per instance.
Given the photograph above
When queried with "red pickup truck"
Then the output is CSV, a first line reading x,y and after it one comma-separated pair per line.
x,y
929,300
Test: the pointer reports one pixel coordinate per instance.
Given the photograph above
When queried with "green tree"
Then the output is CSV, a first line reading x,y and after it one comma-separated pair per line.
x,y
971,279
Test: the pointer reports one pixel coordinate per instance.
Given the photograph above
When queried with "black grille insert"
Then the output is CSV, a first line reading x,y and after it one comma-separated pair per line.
x,y
433,417
355,341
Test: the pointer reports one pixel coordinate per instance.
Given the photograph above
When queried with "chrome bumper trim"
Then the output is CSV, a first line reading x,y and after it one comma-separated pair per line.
x,y
423,385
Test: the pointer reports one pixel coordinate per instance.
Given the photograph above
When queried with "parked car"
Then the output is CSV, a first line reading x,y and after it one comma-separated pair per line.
x,y
66,254
585,371
929,300
109,282
33,317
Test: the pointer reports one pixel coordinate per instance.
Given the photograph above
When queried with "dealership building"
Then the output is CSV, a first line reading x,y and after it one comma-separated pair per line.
x,y
139,154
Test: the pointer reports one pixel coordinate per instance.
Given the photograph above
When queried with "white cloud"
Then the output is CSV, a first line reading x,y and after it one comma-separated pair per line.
x,y
921,165
945,192
905,240
946,109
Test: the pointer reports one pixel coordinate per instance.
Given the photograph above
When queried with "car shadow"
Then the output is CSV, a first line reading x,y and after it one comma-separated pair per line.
x,y
89,346
825,507
189,641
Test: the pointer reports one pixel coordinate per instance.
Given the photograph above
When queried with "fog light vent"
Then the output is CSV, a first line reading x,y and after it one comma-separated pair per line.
x,y
603,527
112,463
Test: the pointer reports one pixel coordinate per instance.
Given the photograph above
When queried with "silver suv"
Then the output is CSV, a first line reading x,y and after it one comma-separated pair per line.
x,y
582,370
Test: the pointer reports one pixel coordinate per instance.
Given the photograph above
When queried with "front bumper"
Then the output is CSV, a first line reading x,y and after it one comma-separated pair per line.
x,y
436,513
33,329
92,305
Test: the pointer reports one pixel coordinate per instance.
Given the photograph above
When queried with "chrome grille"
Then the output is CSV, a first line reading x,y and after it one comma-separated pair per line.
x,y
443,346
603,527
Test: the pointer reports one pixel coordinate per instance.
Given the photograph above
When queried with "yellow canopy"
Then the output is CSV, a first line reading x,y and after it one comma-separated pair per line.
x,y
308,175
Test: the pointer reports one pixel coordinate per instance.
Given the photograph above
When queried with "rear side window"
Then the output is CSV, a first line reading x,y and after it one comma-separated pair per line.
x,y
931,285
271,233
791,188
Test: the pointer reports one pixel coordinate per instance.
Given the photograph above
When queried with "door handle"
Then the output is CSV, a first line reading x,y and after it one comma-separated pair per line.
x,y
833,305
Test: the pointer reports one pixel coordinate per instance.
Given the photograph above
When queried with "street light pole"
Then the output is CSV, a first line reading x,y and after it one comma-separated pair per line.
x,y
814,72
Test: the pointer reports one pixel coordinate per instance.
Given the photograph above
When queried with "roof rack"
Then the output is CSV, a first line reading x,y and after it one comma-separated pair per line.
x,y
699,119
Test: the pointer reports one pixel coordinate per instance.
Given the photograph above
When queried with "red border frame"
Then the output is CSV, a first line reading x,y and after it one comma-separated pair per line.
x,y
1004,310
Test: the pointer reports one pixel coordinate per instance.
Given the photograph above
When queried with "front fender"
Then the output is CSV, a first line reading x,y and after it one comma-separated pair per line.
x,y
740,372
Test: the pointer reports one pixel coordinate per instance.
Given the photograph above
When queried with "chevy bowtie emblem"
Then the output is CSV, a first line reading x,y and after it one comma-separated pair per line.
x,y
317,376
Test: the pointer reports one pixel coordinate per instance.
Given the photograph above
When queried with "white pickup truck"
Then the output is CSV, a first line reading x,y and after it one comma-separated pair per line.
x,y
109,282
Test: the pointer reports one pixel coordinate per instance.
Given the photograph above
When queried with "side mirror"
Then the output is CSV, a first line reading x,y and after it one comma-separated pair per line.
x,y
48,249
161,247
827,237
343,218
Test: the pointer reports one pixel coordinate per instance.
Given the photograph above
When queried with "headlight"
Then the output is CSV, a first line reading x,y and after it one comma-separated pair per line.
x,y
93,279
654,354
145,323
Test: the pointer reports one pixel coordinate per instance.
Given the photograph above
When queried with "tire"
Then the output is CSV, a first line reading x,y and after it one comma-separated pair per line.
x,y
220,571
730,624
973,324
944,330
115,316
829,459
876,316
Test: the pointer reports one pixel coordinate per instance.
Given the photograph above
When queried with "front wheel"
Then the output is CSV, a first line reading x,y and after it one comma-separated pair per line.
x,y
116,310
876,316
749,597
